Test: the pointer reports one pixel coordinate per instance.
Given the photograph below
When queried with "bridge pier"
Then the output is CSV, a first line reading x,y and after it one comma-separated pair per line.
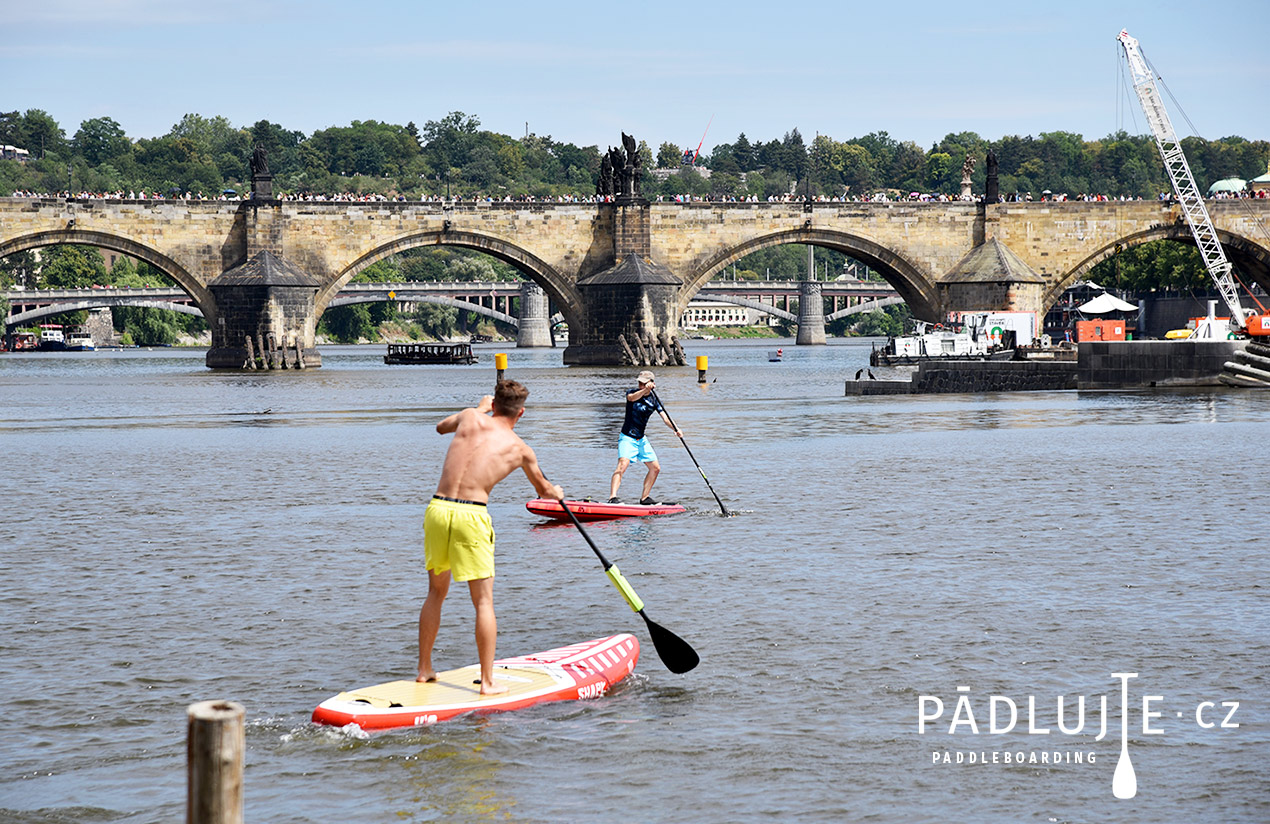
x,y
811,314
264,297
631,315
535,327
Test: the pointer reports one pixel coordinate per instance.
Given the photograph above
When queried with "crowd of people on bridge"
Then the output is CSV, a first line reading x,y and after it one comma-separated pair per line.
x,y
789,197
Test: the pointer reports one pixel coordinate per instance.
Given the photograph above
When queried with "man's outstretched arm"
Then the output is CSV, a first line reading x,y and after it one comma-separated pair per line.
x,y
451,423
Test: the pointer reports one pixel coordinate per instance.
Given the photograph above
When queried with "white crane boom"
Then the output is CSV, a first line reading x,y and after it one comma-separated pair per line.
x,y
1182,179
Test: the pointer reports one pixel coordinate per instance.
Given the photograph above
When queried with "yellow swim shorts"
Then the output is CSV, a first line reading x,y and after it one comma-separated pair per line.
x,y
458,537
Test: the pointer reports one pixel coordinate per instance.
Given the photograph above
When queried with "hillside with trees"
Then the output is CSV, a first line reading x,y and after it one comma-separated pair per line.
x,y
455,156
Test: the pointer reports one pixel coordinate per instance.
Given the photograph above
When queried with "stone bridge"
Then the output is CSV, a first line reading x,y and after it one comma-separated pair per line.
x,y
615,271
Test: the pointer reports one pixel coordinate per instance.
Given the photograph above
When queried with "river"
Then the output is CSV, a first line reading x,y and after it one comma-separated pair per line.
x,y
173,534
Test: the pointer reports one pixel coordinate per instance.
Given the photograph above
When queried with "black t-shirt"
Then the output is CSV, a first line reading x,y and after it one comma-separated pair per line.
x,y
637,414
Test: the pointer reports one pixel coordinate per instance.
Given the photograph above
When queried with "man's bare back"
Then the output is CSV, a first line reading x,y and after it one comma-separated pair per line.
x,y
484,451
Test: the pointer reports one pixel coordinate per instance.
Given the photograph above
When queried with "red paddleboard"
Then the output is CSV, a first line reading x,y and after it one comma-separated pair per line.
x,y
597,510
585,670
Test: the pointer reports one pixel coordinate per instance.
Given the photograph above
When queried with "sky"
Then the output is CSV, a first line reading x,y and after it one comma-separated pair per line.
x,y
585,72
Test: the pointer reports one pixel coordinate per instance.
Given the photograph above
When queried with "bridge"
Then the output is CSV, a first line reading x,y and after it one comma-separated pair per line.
x,y
29,306
617,272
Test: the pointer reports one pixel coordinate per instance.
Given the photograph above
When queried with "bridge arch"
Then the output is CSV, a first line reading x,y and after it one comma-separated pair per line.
x,y
439,300
914,287
32,315
557,286
105,240
1248,256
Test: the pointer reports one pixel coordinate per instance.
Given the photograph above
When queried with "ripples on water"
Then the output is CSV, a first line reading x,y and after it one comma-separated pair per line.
x,y
174,535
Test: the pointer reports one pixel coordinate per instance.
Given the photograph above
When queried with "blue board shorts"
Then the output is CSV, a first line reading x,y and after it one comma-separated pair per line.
x,y
459,538
640,451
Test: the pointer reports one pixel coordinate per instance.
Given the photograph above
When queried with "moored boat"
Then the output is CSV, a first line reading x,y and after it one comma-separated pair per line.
x,y
77,340
51,339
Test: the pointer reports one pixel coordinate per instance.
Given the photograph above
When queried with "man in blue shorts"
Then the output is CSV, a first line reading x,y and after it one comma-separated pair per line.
x,y
632,444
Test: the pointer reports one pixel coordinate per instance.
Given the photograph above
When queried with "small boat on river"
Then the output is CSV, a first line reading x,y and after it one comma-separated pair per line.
x,y
77,340
429,353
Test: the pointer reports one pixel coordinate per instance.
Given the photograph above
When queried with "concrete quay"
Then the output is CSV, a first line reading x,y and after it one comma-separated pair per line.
x,y
1099,365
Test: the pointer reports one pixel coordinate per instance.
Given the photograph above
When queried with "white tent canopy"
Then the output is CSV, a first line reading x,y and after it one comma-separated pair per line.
x,y
1104,303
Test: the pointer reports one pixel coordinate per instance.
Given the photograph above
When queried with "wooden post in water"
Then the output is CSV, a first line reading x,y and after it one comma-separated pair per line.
x,y
214,750
251,355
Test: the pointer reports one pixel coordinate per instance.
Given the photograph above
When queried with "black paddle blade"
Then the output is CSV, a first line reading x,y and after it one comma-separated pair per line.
x,y
673,650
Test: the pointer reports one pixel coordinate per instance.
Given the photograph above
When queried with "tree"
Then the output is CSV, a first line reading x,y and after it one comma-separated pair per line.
x,y
69,266
39,133
743,153
884,322
18,269
669,156
348,324
793,155
939,171
101,139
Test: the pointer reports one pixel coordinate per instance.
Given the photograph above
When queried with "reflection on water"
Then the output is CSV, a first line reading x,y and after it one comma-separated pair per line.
x,y
174,534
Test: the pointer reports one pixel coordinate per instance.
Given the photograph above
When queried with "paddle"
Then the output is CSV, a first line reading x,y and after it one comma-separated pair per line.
x,y
674,651
723,508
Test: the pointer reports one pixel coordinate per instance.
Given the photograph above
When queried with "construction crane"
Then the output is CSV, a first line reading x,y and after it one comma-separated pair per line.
x,y
1188,195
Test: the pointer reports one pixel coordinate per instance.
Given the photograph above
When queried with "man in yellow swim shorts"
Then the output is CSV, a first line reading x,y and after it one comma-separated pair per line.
x,y
458,536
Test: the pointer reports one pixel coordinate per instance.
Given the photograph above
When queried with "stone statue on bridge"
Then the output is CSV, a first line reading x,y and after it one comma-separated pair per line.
x,y
967,169
632,172
604,186
259,161
621,170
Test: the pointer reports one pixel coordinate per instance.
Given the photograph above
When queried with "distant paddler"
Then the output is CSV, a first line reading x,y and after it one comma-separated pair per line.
x,y
632,443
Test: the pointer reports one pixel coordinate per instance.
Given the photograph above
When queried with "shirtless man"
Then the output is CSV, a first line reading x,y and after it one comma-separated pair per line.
x,y
458,535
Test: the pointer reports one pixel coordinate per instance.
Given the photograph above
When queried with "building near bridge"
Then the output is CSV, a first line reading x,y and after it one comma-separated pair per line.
x,y
708,313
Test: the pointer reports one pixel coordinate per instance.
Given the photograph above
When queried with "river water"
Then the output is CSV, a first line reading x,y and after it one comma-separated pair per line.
x,y
172,535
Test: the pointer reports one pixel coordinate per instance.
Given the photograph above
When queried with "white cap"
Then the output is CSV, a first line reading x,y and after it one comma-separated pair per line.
x,y
645,377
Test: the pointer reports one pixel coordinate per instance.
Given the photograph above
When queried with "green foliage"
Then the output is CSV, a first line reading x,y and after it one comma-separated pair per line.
x,y
669,156
348,324
454,155
152,328
70,267
1158,265
18,269
885,322
436,320
100,140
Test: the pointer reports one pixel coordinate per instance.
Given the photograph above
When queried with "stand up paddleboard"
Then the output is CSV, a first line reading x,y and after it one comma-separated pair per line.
x,y
597,510
585,670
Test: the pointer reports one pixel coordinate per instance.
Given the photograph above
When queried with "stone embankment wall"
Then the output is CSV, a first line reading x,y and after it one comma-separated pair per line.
x,y
1129,364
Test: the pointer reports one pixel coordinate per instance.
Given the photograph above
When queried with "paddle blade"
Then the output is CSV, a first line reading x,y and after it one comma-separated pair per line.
x,y
673,650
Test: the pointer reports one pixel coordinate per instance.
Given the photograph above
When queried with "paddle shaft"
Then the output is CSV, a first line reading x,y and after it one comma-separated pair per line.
x,y
674,652
722,508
